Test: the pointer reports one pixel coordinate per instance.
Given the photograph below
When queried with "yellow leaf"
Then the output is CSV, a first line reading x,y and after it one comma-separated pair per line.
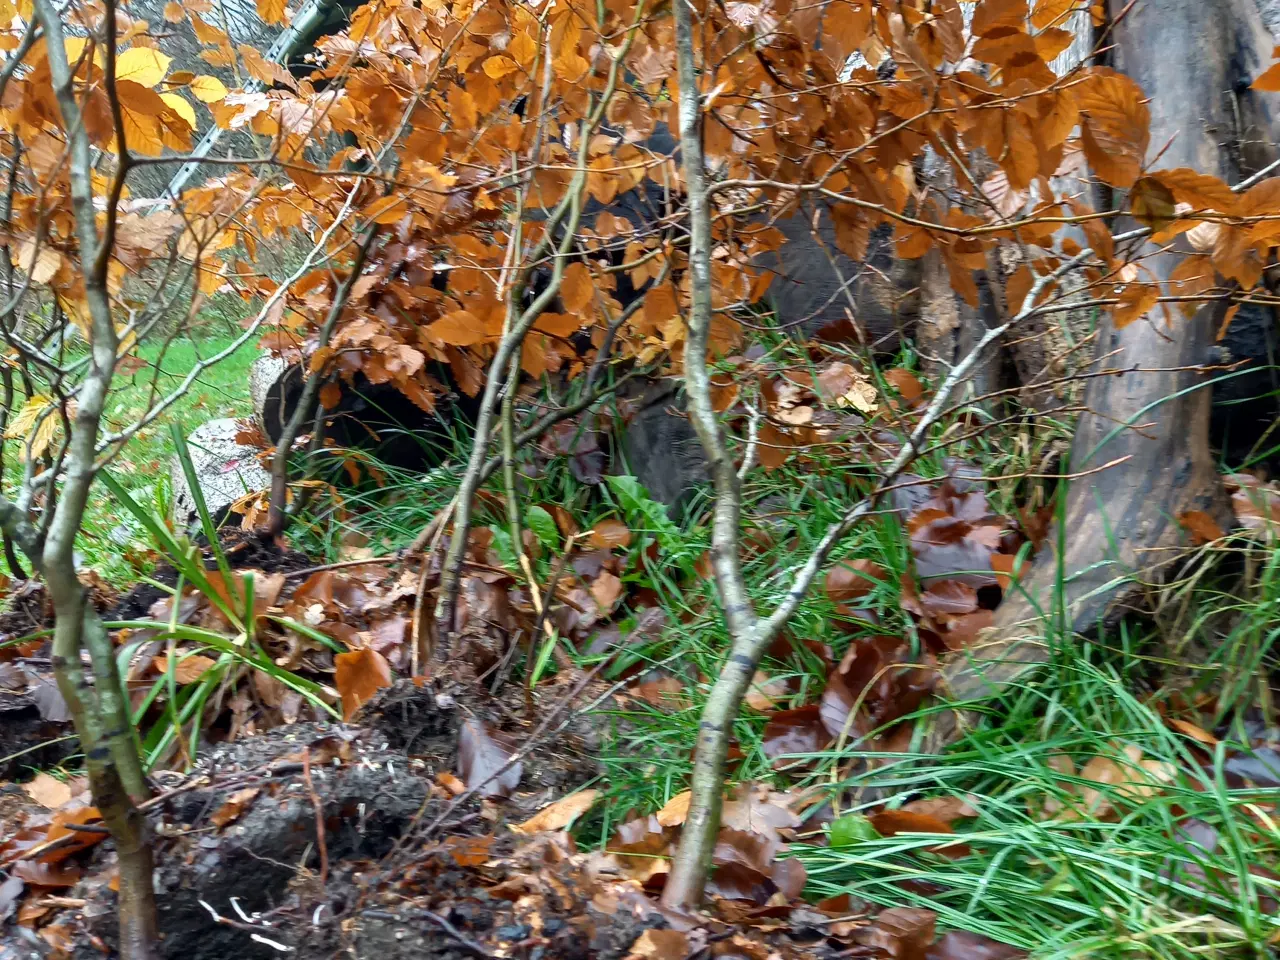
x,y
560,814
523,48
26,417
181,107
676,810
40,263
271,11
75,50
142,65
173,12
36,413
500,66
208,89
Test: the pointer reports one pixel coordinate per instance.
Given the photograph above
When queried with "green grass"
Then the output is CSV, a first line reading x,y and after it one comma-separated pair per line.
x,y
143,465
1129,885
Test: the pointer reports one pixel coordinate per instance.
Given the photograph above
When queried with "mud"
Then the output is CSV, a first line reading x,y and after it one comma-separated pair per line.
x,y
239,834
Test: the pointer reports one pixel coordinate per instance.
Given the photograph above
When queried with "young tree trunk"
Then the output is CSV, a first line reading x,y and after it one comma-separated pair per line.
x,y
1195,60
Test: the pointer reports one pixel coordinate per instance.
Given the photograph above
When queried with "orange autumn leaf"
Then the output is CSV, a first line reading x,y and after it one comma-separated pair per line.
x,y
359,675
1202,526
610,533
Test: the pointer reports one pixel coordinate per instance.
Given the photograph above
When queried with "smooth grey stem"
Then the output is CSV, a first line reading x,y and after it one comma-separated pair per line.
x,y
512,340
101,711
687,880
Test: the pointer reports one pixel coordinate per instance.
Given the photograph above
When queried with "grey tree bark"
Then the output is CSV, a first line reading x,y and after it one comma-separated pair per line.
x,y
1195,59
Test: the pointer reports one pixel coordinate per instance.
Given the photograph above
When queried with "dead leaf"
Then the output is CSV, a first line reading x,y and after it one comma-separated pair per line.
x,y
946,809
234,806
605,591
186,670
675,810
560,814
482,756
610,533
660,945
765,693
48,791
906,383
851,579
358,676
890,823
1195,733
1203,528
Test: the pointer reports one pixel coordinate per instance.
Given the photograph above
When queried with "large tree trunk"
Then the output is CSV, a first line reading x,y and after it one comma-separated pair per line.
x,y
1195,59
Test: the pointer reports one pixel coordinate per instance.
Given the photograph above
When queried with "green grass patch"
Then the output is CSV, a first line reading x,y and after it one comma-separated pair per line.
x,y
110,539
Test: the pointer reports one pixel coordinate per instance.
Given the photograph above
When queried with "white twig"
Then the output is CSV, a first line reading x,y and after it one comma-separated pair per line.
x,y
753,441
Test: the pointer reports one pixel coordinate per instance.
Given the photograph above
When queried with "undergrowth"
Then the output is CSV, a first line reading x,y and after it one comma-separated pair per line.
x,y
1179,869
111,542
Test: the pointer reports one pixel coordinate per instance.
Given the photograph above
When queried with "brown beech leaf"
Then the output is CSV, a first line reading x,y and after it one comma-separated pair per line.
x,y
946,809
794,731
640,848
964,945
560,814
605,591
186,670
949,598
358,676
1189,729
610,533
234,806
660,945
1152,203
851,579
482,752
906,383
48,791
904,933
765,692
675,810
889,823
1202,526
1115,125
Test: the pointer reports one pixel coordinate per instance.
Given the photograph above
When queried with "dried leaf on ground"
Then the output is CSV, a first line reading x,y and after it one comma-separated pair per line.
x,y
560,814
187,669
359,675
482,753
798,731
675,810
851,579
946,809
48,791
964,945
610,533
765,692
234,806
660,945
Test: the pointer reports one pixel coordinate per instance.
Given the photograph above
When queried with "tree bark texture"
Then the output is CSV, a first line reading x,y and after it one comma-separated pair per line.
x,y
1195,59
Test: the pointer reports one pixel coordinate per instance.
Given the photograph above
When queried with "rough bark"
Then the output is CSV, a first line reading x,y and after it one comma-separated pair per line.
x,y
1120,523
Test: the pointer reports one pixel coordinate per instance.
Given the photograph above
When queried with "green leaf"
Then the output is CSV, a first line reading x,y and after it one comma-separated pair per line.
x,y
502,545
852,829
543,526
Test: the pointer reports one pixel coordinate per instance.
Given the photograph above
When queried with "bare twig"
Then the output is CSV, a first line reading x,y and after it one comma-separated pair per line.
x,y
321,846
